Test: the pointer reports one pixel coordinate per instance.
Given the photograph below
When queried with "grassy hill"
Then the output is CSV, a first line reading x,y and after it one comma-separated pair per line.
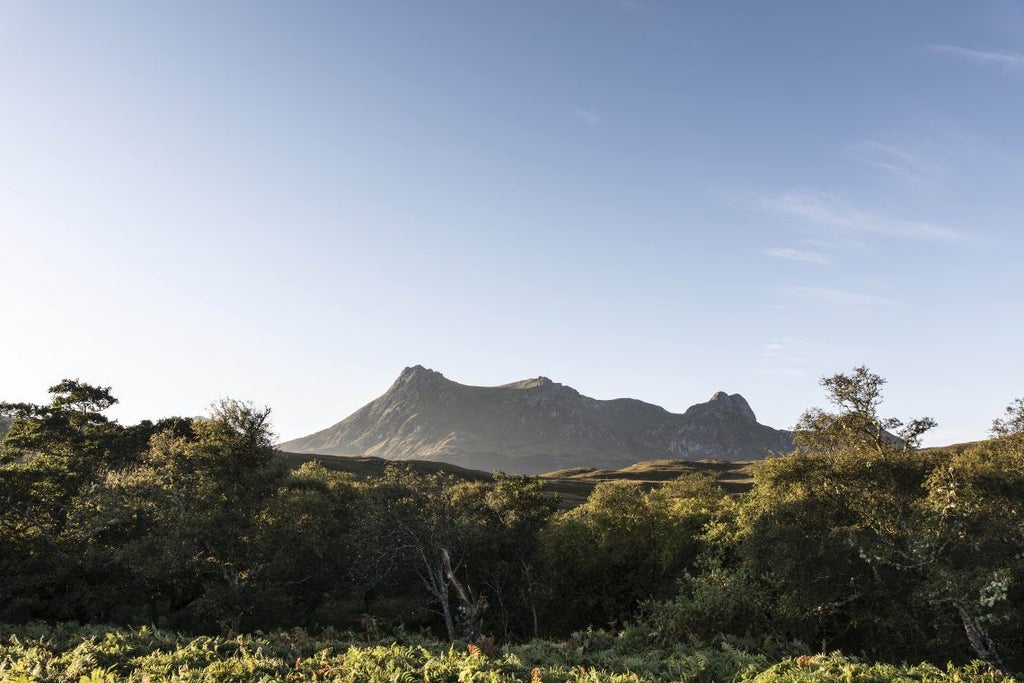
x,y
364,466
572,485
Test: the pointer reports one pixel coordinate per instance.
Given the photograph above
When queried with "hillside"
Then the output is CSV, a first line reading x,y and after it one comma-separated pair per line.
x,y
572,486
538,425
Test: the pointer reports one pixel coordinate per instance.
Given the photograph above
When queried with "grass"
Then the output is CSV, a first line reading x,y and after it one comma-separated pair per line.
x,y
573,486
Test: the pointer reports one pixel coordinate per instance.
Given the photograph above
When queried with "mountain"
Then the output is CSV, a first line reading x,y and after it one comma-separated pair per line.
x,y
537,425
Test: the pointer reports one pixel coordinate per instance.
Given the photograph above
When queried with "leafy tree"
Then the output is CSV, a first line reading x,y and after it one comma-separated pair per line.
x,y
862,535
303,537
465,552
501,523
856,423
975,506
834,531
811,531
199,496
625,546
407,527
51,459
1011,425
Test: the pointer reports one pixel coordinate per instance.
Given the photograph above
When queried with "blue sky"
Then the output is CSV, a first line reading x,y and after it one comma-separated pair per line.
x,y
290,202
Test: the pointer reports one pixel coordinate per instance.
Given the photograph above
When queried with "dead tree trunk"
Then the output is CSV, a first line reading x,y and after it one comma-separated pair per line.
x,y
979,640
442,597
471,608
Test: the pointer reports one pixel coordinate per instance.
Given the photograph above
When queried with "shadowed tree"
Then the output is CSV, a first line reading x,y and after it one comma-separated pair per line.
x,y
201,495
52,457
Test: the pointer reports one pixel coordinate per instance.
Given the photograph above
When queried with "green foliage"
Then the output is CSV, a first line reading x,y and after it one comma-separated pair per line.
x,y
51,460
201,496
836,667
856,424
627,545
711,602
858,541
1011,425
488,531
92,654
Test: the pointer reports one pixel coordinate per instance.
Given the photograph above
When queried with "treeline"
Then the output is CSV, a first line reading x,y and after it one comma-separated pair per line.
x,y
857,541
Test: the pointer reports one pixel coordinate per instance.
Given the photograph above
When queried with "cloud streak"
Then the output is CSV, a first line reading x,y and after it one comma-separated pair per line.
x,y
1011,63
829,211
909,168
837,297
791,254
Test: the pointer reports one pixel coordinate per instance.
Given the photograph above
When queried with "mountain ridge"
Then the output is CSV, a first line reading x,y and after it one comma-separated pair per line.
x,y
537,425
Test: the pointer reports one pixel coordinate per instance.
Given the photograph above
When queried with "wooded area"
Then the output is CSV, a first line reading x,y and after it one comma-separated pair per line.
x,y
858,541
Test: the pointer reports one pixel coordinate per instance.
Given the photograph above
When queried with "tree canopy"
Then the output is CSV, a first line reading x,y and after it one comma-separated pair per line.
x,y
858,540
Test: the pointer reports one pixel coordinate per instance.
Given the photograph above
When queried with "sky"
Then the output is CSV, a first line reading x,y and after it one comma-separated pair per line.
x,y
288,203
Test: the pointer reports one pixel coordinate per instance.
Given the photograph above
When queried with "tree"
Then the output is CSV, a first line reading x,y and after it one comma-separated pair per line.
x,y
932,538
976,506
1011,425
856,423
625,546
51,459
812,530
502,521
199,497
303,538
407,526
836,529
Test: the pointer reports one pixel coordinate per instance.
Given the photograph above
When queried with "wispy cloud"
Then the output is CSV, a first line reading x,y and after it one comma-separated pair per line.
x,y
1011,63
588,116
908,167
798,255
837,243
830,211
837,297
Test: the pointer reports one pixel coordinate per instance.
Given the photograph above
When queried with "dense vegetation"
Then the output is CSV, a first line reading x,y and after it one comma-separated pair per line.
x,y
97,655
859,541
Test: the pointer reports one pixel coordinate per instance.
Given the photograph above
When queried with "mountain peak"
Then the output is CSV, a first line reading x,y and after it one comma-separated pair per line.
x,y
418,372
417,379
733,403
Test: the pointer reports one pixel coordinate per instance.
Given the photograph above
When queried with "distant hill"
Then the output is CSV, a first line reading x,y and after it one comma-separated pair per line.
x,y
572,485
366,467
537,425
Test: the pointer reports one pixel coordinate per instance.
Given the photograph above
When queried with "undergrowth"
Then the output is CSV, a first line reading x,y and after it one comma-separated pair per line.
x,y
68,653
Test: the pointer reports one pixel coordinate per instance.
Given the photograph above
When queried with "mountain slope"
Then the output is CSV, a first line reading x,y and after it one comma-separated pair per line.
x,y
537,425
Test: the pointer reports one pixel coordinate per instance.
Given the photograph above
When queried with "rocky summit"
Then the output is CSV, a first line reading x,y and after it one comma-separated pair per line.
x,y
537,425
